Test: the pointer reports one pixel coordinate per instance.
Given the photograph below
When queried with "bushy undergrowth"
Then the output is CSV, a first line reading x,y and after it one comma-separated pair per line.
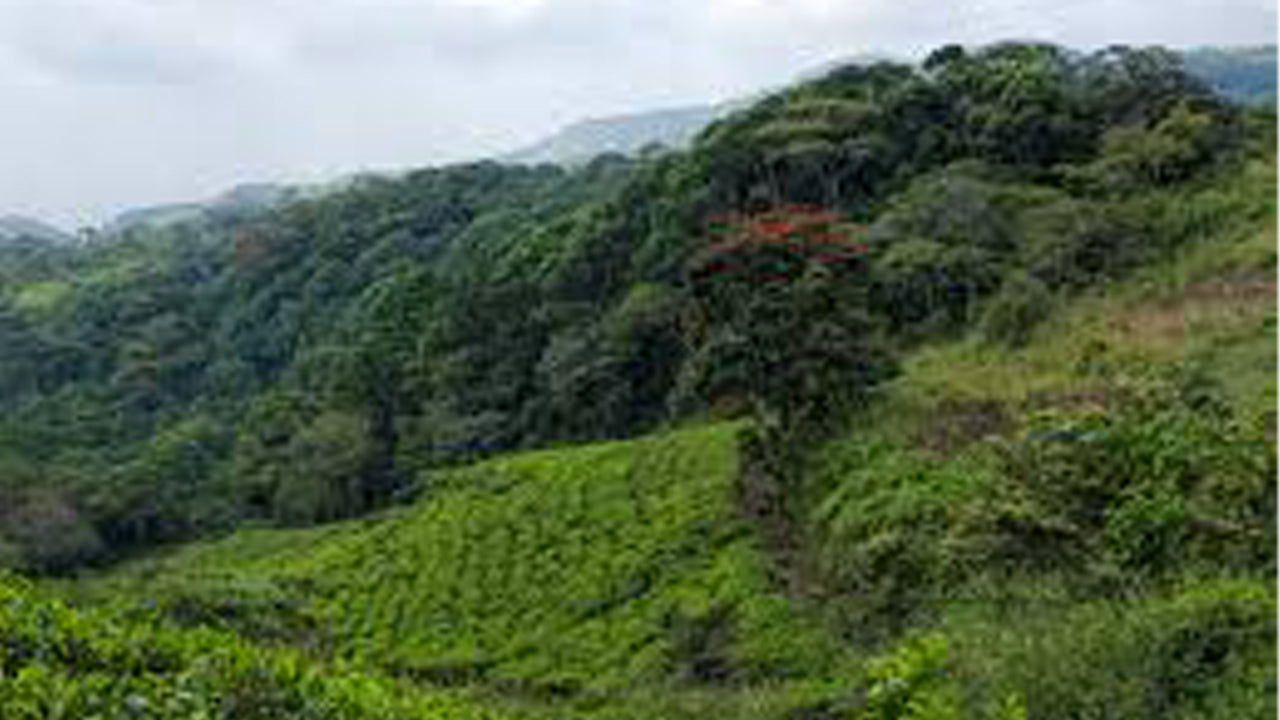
x,y
1200,649
584,569
1085,524
58,663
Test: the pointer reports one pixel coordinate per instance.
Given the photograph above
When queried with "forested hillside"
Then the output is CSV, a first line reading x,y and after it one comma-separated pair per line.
x,y
946,391
1245,74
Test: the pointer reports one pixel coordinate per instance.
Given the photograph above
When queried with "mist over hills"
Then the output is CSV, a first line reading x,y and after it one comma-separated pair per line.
x,y
1245,74
16,227
629,133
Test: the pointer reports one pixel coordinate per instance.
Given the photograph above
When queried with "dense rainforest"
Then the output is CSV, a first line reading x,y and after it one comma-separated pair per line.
x,y
929,391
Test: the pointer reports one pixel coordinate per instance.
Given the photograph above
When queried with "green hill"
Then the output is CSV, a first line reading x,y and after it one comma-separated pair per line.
x,y
585,571
941,566
1086,519
305,363
937,391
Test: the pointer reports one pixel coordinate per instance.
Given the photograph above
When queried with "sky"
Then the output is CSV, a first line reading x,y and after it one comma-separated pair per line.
x,y
111,104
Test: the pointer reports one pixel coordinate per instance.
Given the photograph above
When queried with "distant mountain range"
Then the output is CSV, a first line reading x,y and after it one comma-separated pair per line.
x,y
236,202
630,133
627,134
1245,74
21,227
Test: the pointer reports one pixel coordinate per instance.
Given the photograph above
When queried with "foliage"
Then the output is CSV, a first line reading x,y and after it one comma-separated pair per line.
x,y
1022,304
1002,324
778,305
914,684
443,316
559,572
1044,508
1206,650
1164,479
57,662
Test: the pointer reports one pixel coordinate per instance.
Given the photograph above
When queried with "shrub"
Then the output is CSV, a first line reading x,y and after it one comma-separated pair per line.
x,y
1014,313
923,285
1073,243
883,532
1204,650
59,663
1151,486
916,682
49,532
324,480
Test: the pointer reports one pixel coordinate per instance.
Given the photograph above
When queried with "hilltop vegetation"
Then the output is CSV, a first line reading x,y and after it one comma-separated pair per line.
x,y
985,346
1245,74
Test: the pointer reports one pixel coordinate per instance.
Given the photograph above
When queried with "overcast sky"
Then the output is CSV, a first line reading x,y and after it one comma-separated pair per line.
x,y
109,104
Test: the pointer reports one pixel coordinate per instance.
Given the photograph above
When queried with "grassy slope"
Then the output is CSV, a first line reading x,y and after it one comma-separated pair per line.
x,y
1214,304
891,492
58,662
587,571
